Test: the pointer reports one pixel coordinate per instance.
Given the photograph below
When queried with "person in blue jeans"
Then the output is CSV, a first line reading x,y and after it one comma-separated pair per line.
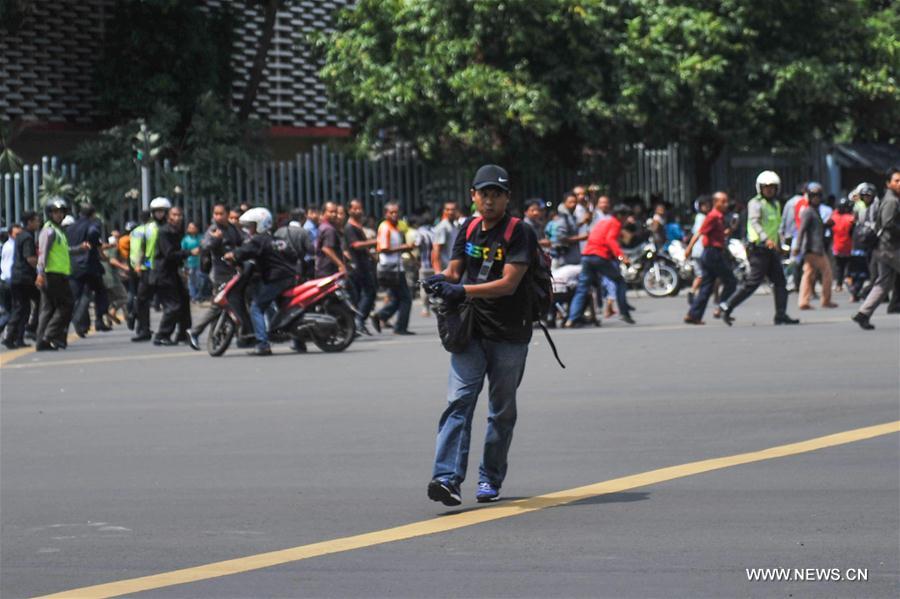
x,y
489,260
600,259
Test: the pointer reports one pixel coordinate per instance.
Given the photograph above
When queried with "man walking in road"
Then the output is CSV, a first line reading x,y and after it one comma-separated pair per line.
x,y
810,247
489,262
763,223
715,266
886,257
362,274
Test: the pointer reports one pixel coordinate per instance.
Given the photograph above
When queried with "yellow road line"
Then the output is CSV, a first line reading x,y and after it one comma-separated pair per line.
x,y
470,518
103,360
10,355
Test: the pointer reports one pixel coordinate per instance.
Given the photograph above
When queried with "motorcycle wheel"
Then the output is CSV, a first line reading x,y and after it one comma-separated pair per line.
x,y
346,328
662,284
220,335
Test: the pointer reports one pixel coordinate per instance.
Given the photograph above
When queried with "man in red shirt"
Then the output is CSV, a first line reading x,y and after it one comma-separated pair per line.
x,y
715,267
842,222
600,258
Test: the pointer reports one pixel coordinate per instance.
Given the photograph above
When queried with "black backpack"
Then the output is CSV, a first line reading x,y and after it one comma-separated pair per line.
x,y
864,236
538,278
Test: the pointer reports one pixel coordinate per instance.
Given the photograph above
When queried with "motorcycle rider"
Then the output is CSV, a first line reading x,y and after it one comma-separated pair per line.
x,y
275,262
166,278
142,257
53,269
763,222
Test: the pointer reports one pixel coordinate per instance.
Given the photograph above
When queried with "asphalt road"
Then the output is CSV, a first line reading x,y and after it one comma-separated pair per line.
x,y
120,460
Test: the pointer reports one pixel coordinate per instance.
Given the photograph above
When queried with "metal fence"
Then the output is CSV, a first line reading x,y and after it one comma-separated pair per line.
x,y
323,174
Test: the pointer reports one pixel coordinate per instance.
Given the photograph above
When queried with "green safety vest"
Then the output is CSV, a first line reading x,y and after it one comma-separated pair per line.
x,y
136,245
58,260
770,217
151,233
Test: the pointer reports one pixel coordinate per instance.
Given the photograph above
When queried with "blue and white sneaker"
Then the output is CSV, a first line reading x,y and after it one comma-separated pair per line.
x,y
487,493
444,491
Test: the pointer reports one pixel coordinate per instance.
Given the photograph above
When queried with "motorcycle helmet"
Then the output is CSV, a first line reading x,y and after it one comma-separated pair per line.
x,y
130,226
767,178
56,203
814,187
866,189
160,203
260,217
844,206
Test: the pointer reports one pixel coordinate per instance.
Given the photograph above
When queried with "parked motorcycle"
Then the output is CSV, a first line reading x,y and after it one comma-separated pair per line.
x,y
656,273
318,310
684,263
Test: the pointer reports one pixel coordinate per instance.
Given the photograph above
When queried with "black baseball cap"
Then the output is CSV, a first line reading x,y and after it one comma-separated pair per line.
x,y
491,175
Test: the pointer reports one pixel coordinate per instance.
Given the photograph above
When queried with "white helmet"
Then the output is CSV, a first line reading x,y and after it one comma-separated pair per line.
x,y
68,220
767,178
160,203
261,217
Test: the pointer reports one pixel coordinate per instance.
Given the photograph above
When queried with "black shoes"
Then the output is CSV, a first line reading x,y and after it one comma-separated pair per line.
x,y
725,314
444,491
403,332
193,341
863,321
164,341
45,346
298,346
376,323
142,337
785,319
628,319
260,351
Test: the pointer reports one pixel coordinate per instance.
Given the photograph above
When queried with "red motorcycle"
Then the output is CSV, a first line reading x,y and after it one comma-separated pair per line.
x,y
318,310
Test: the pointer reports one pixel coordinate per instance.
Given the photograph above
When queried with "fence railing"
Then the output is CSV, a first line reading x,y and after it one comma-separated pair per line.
x,y
323,174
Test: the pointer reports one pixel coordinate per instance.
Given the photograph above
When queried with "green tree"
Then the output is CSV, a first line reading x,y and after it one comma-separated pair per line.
x,y
544,81
163,52
519,81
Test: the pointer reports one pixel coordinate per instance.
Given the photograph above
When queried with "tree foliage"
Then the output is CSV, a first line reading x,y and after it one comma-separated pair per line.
x,y
547,79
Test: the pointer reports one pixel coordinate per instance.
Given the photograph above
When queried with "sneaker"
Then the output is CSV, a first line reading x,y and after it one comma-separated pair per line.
x,y
260,350
487,493
863,321
444,491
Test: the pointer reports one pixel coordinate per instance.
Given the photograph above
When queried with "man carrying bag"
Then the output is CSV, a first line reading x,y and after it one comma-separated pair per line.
x,y
487,265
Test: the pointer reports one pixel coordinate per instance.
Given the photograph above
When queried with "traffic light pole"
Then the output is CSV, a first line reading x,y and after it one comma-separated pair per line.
x,y
145,187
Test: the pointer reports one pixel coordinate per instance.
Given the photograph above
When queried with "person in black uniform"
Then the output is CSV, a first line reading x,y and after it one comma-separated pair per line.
x,y
22,288
276,264
166,277
86,279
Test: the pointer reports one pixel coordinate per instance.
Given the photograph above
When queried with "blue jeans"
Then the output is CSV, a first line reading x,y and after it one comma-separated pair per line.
x,y
593,270
504,365
400,303
715,268
196,283
266,293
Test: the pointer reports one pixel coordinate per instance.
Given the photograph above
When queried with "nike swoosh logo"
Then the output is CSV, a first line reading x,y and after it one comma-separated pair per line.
x,y
501,180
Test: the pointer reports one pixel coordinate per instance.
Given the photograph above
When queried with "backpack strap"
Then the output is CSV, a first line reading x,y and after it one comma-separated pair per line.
x,y
471,228
550,341
510,226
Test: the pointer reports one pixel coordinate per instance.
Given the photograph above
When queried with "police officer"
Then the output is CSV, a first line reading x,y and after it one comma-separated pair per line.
x,y
763,223
142,256
165,277
135,257
53,269
276,263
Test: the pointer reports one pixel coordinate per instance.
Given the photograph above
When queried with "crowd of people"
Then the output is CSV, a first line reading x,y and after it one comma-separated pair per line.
x,y
54,268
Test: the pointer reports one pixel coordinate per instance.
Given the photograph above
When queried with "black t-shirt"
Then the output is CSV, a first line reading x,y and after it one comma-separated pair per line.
x,y
360,256
503,318
328,238
22,271
275,259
